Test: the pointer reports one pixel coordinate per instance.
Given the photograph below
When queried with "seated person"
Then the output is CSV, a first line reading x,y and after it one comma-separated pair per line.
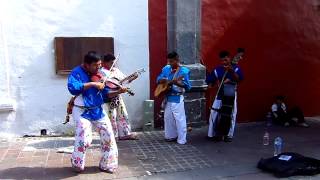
x,y
281,116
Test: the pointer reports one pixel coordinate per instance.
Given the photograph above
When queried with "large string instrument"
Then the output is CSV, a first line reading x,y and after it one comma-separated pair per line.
x,y
226,92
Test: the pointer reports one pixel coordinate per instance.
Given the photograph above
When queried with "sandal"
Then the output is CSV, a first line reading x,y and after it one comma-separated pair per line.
x,y
110,171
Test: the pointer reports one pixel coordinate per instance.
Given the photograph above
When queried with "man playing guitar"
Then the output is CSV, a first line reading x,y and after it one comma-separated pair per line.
x,y
177,78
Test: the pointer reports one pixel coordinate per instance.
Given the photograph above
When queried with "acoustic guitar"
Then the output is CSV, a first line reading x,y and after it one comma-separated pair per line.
x,y
163,88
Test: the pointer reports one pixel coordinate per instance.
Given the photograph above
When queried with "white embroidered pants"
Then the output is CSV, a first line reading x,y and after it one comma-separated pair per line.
x,y
119,119
175,125
83,139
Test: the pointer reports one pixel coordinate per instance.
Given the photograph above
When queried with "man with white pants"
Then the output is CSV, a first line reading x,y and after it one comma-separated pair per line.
x,y
232,74
88,112
216,105
177,78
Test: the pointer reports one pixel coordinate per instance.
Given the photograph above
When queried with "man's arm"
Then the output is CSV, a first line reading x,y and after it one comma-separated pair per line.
x,y
163,76
274,110
183,82
211,78
76,86
176,82
233,73
97,85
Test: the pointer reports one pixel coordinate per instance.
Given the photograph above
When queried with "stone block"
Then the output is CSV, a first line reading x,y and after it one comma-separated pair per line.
x,y
194,111
185,44
197,71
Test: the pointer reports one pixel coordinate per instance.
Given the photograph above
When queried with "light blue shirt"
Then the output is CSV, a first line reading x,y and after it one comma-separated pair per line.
x,y
174,94
92,98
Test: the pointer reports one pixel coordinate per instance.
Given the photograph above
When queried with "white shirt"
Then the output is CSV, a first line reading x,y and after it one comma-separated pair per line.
x,y
114,73
274,107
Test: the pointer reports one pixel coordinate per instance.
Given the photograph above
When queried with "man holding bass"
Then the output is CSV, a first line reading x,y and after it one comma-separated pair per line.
x,y
224,108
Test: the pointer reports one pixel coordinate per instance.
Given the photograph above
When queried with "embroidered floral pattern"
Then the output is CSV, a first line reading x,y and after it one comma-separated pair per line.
x,y
119,119
83,138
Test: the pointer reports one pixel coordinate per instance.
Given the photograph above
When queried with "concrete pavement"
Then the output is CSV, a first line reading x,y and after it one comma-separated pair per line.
x,y
151,157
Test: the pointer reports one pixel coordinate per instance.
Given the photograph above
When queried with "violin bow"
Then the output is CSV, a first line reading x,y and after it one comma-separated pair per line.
x,y
114,62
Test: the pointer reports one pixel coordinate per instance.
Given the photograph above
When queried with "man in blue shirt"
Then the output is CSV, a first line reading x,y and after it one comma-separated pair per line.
x,y
87,112
232,77
177,77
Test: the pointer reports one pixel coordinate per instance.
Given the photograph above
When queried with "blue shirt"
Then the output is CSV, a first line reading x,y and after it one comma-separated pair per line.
x,y
174,94
218,73
92,98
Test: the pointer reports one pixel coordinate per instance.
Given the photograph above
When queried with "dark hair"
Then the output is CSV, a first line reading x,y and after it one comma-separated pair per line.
x,y
223,54
91,57
173,55
108,57
240,50
280,97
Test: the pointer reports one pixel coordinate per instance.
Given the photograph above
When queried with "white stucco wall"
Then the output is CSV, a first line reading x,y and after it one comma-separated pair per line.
x,y
28,28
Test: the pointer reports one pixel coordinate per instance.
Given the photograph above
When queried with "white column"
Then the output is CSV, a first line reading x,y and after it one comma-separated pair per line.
x,y
6,102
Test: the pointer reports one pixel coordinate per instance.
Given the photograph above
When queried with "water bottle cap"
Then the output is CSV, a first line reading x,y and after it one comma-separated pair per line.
x,y
278,139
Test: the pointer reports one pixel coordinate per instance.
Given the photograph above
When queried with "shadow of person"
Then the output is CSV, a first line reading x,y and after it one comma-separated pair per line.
x,y
45,172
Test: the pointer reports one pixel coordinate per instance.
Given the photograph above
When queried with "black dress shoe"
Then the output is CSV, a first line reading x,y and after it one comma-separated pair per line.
x,y
209,138
227,139
217,138
214,138
171,139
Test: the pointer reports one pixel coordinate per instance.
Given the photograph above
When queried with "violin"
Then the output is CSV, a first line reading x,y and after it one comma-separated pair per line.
x,y
98,77
114,84
111,83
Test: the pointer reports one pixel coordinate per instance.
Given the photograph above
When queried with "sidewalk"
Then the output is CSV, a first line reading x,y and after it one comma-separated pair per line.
x,y
151,157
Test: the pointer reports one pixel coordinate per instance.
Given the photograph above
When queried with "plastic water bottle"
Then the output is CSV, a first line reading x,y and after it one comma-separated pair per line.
x,y
266,139
277,146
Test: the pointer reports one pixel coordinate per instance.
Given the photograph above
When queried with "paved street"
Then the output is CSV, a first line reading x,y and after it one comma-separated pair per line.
x,y
151,157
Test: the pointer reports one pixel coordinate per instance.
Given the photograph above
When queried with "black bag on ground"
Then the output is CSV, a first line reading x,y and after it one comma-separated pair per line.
x,y
290,164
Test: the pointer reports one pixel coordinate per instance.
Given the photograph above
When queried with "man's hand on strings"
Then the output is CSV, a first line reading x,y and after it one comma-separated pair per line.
x,y
122,90
229,68
98,85
161,81
226,81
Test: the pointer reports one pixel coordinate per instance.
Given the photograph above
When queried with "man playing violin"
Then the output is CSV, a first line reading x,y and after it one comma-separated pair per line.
x,y
233,75
87,112
115,107
177,76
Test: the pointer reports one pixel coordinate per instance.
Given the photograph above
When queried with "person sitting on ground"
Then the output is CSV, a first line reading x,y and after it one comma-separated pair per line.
x,y
281,116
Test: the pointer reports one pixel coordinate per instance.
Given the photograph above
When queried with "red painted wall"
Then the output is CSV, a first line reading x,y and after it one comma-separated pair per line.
x,y
282,40
157,44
